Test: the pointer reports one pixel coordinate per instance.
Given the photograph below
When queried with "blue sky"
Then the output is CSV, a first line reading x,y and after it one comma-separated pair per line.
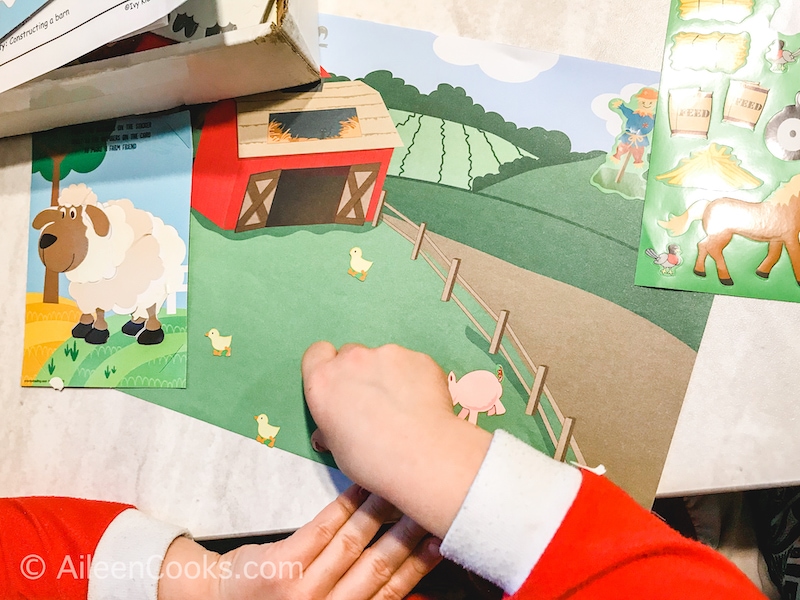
x,y
558,98
166,158
18,12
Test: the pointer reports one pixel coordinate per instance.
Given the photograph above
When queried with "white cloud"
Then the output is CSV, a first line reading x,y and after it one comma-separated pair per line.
x,y
613,119
786,19
498,61
8,3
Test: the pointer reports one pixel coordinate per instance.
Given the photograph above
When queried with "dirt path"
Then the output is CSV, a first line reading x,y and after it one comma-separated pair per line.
x,y
622,378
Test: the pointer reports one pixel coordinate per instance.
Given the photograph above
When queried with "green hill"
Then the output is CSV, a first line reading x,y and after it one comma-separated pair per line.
x,y
553,222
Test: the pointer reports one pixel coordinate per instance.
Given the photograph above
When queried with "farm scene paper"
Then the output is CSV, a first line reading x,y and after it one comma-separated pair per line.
x,y
429,195
107,256
722,213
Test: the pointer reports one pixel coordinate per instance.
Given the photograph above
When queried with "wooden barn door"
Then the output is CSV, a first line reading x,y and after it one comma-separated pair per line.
x,y
257,200
357,194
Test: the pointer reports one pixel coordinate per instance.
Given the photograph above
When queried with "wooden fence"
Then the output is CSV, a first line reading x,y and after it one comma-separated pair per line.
x,y
419,237
172,300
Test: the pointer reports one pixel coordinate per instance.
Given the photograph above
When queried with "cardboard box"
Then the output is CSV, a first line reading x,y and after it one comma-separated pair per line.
x,y
279,52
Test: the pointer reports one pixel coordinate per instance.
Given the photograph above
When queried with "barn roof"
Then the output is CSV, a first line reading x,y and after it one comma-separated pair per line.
x,y
345,115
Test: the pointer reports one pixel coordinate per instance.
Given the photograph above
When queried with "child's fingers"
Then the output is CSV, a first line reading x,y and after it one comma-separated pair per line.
x,y
308,542
380,562
317,354
349,347
421,562
347,545
318,441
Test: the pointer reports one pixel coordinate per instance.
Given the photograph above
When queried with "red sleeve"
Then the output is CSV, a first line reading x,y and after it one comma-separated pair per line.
x,y
42,537
609,547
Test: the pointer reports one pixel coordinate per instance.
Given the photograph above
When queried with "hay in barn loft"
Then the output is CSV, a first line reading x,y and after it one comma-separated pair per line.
x,y
713,168
350,128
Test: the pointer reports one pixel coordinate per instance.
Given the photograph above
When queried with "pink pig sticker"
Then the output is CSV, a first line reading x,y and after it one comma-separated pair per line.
x,y
477,392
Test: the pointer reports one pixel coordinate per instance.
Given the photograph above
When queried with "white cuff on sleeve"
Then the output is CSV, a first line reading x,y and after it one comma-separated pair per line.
x,y
513,509
127,561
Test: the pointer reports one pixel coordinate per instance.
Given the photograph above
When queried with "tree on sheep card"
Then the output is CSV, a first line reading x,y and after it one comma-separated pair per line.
x,y
108,254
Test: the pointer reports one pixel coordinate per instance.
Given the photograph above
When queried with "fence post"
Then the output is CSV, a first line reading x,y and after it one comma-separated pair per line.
x,y
378,209
564,439
536,389
418,242
451,279
498,332
172,300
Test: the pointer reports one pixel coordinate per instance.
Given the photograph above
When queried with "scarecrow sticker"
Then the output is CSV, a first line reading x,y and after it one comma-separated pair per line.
x,y
625,168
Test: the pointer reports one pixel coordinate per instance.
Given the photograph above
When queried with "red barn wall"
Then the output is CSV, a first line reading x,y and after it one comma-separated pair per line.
x,y
220,177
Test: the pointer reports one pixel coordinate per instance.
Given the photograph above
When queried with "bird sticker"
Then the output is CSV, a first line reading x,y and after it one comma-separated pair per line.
x,y
780,57
266,432
358,265
220,344
666,261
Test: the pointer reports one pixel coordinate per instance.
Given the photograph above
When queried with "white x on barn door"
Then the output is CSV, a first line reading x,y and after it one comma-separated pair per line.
x,y
257,200
357,194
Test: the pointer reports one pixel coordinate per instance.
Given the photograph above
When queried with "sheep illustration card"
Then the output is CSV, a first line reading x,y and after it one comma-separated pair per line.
x,y
108,254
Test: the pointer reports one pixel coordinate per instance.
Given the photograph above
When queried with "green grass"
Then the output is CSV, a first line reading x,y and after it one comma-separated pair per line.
x,y
278,290
110,364
554,222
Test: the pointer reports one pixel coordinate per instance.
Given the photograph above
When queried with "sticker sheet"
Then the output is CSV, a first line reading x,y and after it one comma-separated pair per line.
x,y
476,202
722,212
108,255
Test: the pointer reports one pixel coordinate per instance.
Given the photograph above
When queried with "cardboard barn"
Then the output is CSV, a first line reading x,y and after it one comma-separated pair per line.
x,y
294,158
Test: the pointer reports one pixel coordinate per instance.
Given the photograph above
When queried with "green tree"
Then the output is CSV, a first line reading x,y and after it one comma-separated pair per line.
x,y
56,153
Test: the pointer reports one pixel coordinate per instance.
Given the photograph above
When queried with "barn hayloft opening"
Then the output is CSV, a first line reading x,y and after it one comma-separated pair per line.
x,y
313,125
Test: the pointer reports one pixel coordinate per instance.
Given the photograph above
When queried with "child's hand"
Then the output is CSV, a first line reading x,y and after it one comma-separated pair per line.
x,y
325,559
387,416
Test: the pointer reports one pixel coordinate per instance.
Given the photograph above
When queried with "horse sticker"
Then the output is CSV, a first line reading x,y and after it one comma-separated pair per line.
x,y
776,221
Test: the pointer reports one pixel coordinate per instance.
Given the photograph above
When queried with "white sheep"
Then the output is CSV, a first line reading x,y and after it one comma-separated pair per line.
x,y
116,257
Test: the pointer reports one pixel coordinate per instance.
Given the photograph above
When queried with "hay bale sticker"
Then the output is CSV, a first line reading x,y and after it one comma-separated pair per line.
x,y
712,168
716,52
625,168
716,10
